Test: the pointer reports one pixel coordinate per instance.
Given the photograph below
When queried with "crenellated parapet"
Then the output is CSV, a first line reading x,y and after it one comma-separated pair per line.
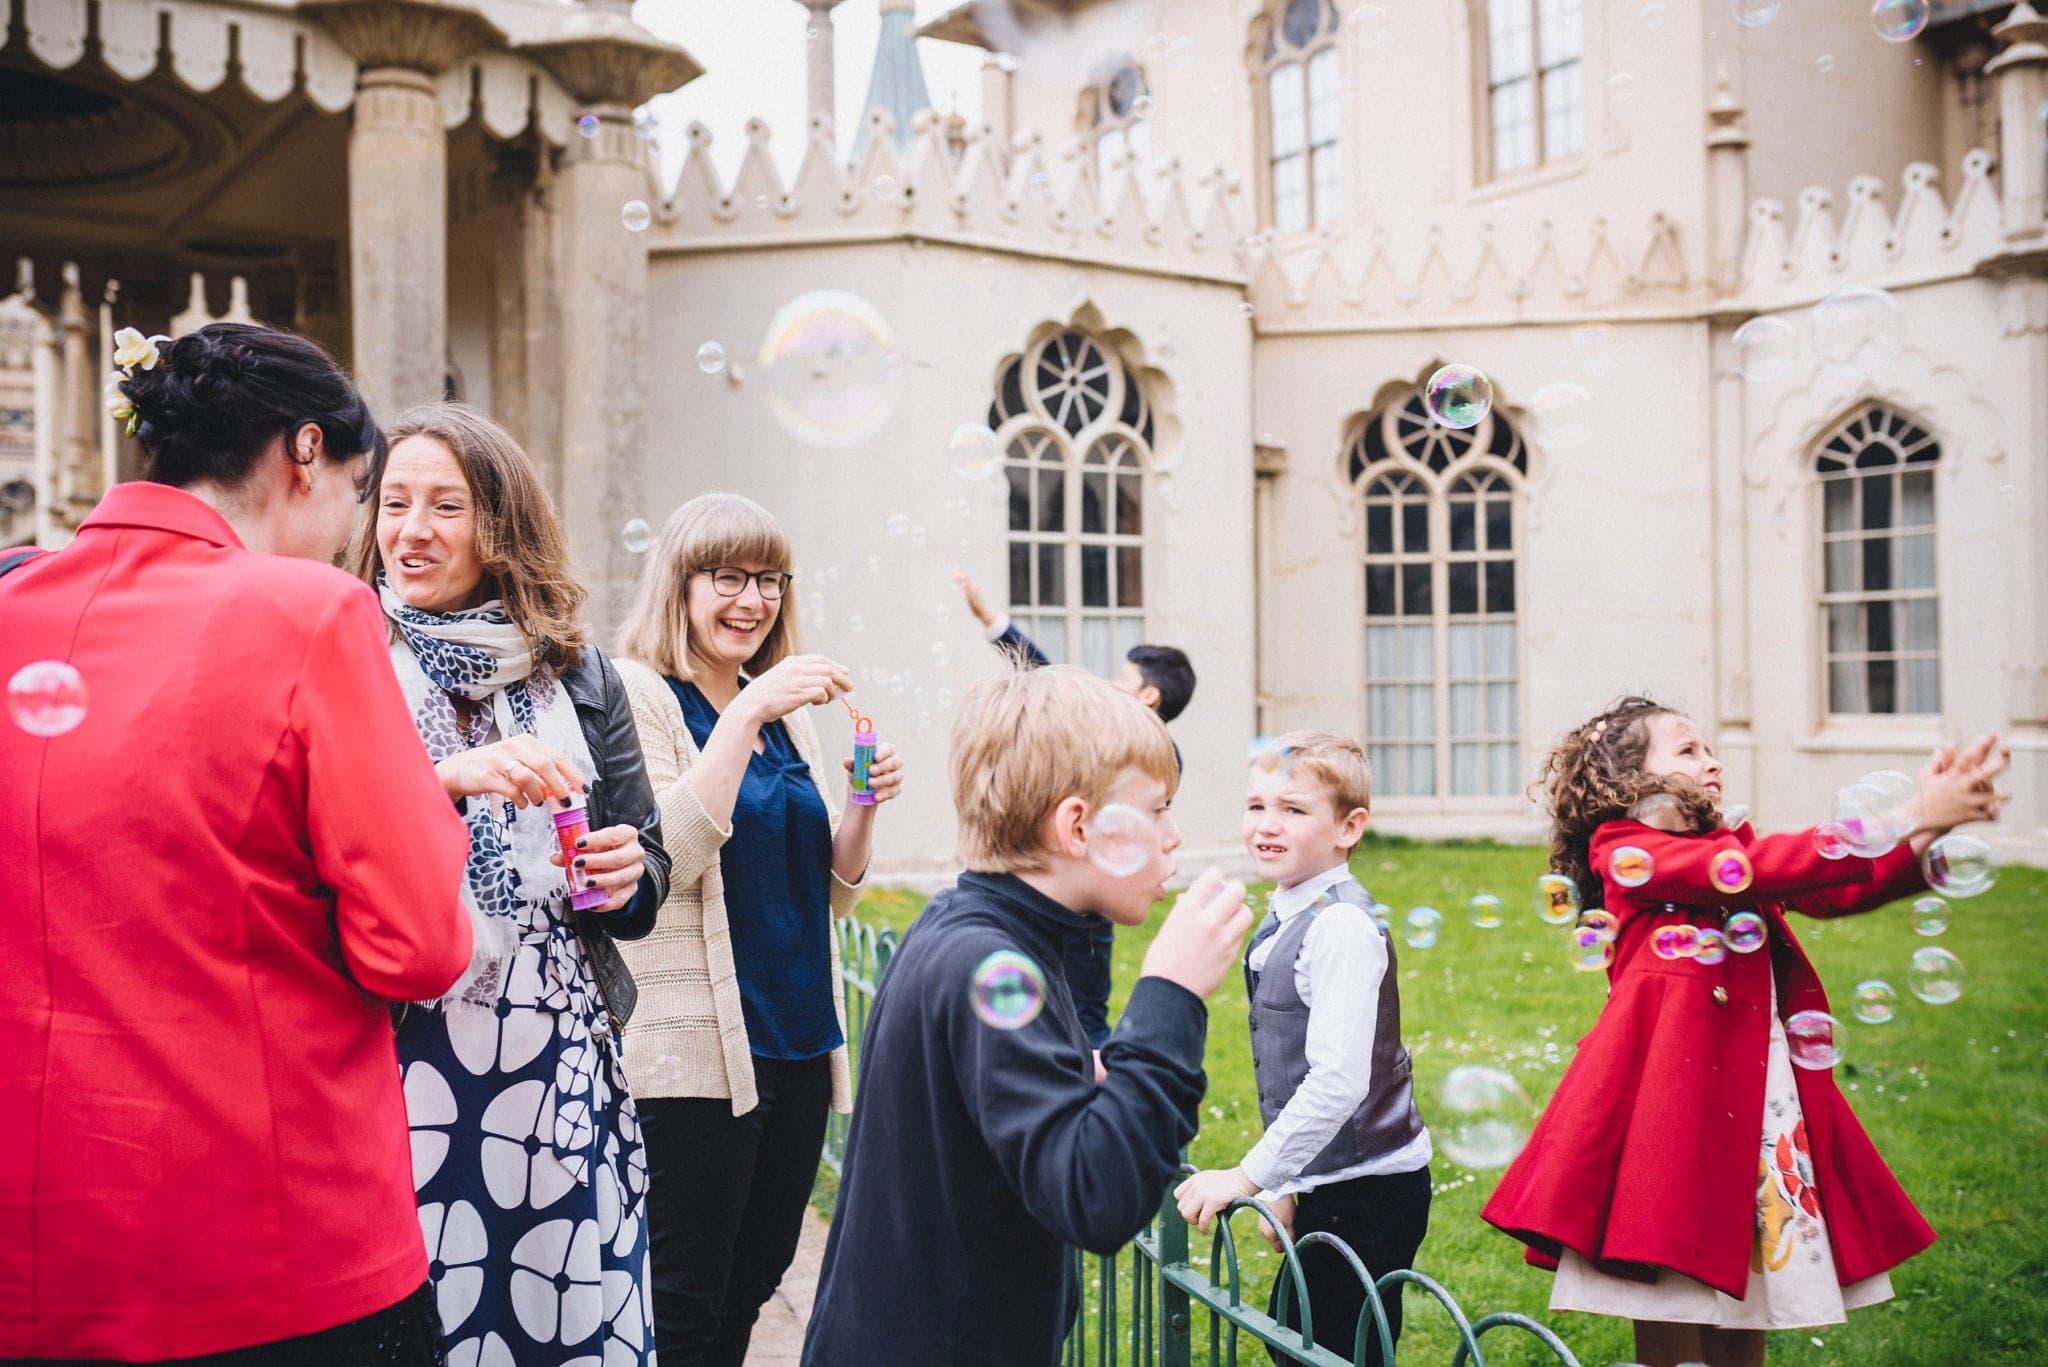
x,y
959,188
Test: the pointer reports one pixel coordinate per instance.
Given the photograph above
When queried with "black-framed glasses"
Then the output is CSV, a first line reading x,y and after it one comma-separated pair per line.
x,y
731,581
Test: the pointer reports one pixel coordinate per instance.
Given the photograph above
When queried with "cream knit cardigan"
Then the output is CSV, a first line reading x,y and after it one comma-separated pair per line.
x,y
689,991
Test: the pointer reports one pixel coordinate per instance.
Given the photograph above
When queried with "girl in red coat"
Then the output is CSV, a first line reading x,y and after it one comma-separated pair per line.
x,y
1686,1175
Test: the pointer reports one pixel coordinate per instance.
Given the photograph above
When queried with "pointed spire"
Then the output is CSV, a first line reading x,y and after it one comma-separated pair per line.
x,y
897,87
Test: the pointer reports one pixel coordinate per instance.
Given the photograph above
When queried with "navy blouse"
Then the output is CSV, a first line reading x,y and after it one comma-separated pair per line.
x,y
778,871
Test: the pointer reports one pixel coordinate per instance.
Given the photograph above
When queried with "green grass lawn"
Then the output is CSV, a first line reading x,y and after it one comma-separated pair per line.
x,y
1955,1096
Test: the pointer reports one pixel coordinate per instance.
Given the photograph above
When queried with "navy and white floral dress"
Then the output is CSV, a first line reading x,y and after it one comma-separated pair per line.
x,y
526,1148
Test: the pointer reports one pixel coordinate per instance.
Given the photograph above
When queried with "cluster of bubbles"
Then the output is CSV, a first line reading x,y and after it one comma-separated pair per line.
x,y
1871,816
1592,940
1122,841
1896,21
1458,395
1482,1117
1856,331
46,698
1008,990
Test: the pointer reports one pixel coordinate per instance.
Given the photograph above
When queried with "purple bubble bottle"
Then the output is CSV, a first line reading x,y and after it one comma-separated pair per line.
x,y
572,823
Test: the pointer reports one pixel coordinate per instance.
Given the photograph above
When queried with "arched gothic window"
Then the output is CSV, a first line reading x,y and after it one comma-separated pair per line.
x,y
1535,100
1076,433
1442,671
1295,44
1116,119
1879,606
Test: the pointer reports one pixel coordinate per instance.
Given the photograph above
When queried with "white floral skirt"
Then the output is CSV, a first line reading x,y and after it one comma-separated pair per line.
x,y
1791,1265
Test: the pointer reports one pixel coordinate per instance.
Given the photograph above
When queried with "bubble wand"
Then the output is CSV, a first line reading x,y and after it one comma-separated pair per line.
x,y
863,754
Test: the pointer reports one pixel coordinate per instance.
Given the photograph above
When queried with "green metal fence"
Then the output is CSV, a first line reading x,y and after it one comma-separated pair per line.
x,y
1148,1305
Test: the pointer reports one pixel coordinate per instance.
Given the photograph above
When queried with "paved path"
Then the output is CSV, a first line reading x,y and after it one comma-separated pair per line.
x,y
779,1334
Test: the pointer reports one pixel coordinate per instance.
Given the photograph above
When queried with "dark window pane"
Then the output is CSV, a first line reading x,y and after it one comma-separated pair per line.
x,y
1878,636
1095,576
1883,677
1134,401
1500,524
1011,401
1464,586
1414,526
1379,529
1130,495
1052,500
1877,563
1877,501
1094,493
1020,574
1415,590
1500,586
1130,577
1839,498
1020,497
1052,577
1916,492
1464,528
1379,591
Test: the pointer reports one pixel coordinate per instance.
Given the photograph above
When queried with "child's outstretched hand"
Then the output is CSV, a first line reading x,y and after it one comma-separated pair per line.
x,y
1958,787
1206,1193
1199,940
975,604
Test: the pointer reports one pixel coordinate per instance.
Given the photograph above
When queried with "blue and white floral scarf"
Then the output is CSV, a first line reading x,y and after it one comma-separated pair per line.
x,y
480,655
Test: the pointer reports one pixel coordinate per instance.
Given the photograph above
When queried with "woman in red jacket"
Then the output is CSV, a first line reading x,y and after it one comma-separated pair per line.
x,y
1685,1175
214,883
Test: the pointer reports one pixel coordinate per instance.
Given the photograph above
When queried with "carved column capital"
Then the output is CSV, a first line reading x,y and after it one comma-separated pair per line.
x,y
600,56
420,35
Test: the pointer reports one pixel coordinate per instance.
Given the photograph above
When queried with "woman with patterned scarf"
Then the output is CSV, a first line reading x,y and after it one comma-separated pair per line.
x,y
526,1149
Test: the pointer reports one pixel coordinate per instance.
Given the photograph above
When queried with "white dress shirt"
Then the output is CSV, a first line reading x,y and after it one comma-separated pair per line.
x,y
1346,953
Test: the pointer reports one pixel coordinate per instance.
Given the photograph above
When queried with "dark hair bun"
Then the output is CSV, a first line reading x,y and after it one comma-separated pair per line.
x,y
217,398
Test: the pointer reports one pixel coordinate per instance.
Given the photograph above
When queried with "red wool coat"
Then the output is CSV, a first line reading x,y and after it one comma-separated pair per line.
x,y
1646,1156
207,891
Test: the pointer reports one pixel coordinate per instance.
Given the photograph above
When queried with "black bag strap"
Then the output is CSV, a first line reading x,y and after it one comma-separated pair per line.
x,y
15,559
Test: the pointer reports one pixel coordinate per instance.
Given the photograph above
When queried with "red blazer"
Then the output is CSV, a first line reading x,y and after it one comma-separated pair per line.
x,y
1647,1154
208,890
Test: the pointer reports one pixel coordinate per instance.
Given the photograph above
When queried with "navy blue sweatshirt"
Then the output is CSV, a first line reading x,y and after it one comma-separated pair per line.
x,y
979,1157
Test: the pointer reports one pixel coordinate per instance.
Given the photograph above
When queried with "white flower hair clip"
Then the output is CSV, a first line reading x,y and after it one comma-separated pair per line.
x,y
132,352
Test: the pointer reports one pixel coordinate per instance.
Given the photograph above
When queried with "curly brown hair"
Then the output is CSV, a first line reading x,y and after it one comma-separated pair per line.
x,y
1595,774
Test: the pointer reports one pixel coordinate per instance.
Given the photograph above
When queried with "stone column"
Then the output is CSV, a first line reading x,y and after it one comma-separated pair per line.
x,y
609,65
818,58
2021,71
398,188
1727,423
1727,188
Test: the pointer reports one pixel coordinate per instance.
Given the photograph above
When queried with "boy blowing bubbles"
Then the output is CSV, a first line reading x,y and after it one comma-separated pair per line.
x,y
1343,1143
978,1156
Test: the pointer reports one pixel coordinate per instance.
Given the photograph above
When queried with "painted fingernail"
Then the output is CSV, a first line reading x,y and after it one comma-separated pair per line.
x,y
579,861
582,843
590,882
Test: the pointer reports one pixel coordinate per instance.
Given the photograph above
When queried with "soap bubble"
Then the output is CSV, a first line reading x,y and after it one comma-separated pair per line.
x,y
1423,925
1564,415
897,524
1653,13
1557,899
1681,941
1600,923
1824,63
1729,870
669,1069
1709,946
1865,820
1746,932
1382,915
1589,953
711,358
1482,1117
1930,916
1897,796
1370,21
1040,185
1814,1039
1459,395
1486,911
829,368
973,452
1121,841
636,536
1631,866
1959,866
1858,331
647,124
1756,13
1875,1001
1621,85
1898,21
1267,755
589,126
1935,975
1766,350
1830,841
1008,991
635,215
46,698
1180,54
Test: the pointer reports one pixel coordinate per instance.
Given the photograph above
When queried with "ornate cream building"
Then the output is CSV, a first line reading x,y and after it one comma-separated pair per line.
x,y
1194,284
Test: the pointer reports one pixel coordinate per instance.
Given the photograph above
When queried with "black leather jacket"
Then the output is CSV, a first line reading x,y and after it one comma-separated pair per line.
x,y
621,792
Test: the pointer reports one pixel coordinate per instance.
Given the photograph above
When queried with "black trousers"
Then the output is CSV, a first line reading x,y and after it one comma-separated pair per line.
x,y
725,1205
1383,1219
407,1334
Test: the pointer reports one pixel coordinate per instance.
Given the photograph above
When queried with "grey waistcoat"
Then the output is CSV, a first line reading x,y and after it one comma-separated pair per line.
x,y
1386,1119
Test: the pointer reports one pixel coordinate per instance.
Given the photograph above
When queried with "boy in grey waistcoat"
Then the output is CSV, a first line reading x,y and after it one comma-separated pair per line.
x,y
1344,1150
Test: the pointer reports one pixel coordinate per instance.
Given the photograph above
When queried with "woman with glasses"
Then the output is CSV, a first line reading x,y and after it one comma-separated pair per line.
x,y
739,1044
